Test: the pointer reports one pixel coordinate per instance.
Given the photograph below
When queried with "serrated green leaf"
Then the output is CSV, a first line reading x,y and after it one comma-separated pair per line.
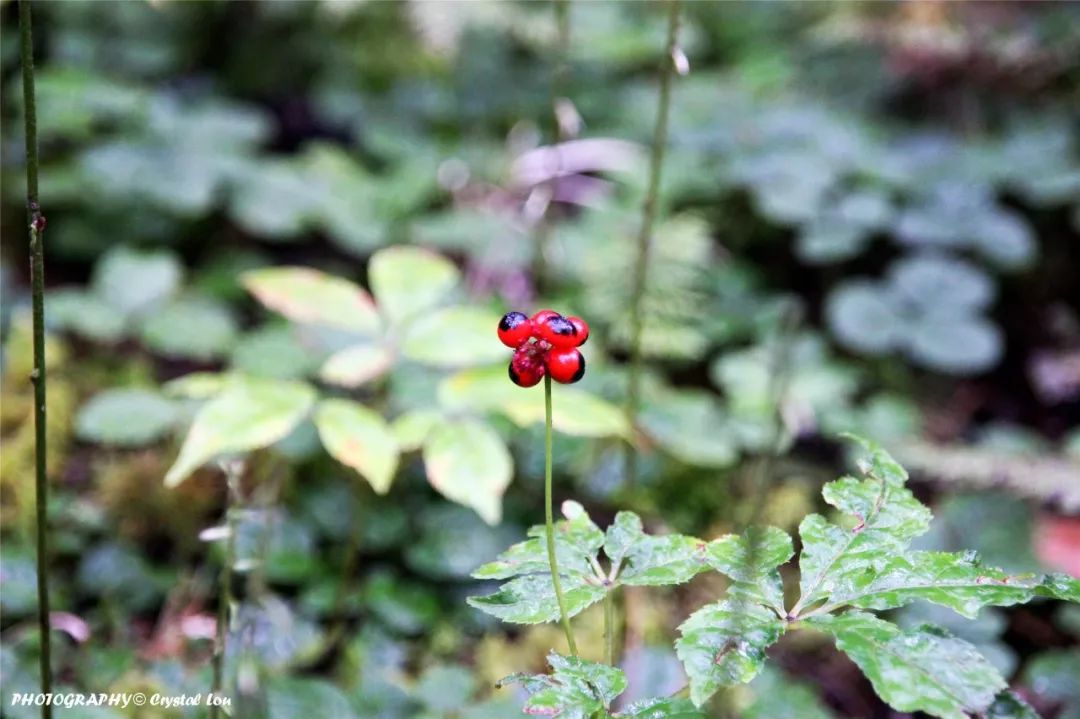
x,y
1009,705
1060,586
751,561
454,337
663,708
250,413
952,580
646,560
923,669
530,599
306,295
885,517
468,463
576,688
357,365
409,280
359,438
723,644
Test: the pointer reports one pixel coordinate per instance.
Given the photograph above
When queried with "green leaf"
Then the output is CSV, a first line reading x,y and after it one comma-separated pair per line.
x,y
576,689
192,327
723,644
412,428
197,385
250,413
751,561
357,365
664,708
310,296
646,560
273,351
445,689
359,438
884,518
1008,705
690,426
409,280
574,412
85,314
777,695
127,417
468,463
923,669
636,559
454,337
956,581
293,698
1060,586
133,281
530,599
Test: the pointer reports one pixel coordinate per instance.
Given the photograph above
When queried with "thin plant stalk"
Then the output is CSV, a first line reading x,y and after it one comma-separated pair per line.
x,y
559,73
549,521
648,220
225,600
349,565
37,279
609,627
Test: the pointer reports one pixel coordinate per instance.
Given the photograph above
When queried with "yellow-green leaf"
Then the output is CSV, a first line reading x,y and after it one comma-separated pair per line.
x,y
309,296
359,438
357,365
455,337
250,413
468,463
408,280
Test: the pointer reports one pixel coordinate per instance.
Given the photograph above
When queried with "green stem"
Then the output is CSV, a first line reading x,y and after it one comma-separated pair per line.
x,y
349,565
549,521
37,279
225,600
609,626
644,240
543,231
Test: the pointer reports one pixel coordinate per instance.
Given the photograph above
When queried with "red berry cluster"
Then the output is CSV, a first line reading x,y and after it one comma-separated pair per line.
x,y
545,343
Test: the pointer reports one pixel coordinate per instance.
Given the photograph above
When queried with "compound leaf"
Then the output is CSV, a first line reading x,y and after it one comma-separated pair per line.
x,y
924,669
723,644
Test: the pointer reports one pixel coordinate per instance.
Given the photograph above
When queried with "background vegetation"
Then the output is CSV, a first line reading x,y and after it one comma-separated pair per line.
x,y
868,222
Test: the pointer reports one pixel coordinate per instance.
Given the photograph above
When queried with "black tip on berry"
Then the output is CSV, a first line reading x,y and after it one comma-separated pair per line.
x,y
511,320
562,326
580,370
513,374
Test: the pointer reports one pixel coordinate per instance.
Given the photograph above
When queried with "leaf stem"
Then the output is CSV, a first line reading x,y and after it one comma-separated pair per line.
x,y
644,240
37,280
609,626
225,600
549,520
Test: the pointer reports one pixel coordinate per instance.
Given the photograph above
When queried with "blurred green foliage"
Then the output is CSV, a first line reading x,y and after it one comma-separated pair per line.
x,y
869,220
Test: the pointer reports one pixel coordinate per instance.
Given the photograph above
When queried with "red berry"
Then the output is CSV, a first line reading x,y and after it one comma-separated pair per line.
x,y
565,365
526,377
543,316
514,328
581,328
558,332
